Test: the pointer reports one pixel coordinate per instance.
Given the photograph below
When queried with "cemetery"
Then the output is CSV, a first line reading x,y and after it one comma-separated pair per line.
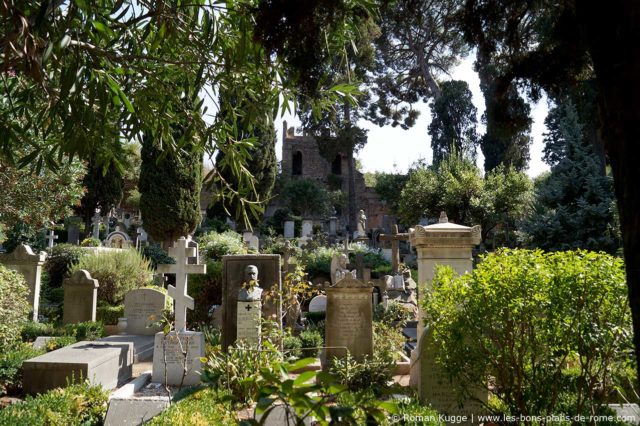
x,y
168,256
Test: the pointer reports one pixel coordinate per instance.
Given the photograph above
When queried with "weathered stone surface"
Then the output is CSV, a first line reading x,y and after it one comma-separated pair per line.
x,y
438,390
248,321
175,345
289,229
318,304
233,275
349,319
134,412
142,345
143,307
104,363
42,341
80,298
29,264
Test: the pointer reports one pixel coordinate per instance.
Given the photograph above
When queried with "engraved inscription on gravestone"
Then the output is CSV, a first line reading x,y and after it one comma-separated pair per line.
x,y
249,314
143,307
190,342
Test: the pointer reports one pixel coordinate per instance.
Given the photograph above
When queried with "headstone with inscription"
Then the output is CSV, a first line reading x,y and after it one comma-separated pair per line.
x,y
177,358
248,321
142,308
80,297
233,277
29,264
307,228
438,390
289,229
348,325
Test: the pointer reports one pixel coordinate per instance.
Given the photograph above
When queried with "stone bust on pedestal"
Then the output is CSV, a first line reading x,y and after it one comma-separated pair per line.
x,y
250,290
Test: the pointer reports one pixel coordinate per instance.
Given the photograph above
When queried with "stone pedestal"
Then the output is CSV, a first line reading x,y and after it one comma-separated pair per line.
x,y
186,347
348,325
248,321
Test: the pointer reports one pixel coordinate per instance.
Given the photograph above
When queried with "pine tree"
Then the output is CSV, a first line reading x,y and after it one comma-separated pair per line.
x,y
575,204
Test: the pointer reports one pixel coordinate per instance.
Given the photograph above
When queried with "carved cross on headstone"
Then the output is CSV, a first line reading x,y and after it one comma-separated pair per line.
x,y
50,238
395,239
248,307
181,252
95,220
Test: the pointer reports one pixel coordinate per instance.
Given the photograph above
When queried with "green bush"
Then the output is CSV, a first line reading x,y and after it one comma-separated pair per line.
x,y
117,272
61,258
14,307
291,345
109,314
31,330
317,262
11,367
157,256
206,290
395,313
315,317
311,339
202,407
552,329
88,330
60,342
78,404
214,245
90,242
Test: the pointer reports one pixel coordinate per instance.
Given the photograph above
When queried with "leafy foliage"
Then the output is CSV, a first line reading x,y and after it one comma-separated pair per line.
x,y
560,328
575,204
13,306
75,405
306,197
157,255
214,245
91,242
11,367
60,259
389,187
117,272
203,406
109,314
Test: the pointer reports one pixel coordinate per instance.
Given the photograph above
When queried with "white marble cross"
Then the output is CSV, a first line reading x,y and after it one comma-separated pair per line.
x,y
50,238
181,252
96,219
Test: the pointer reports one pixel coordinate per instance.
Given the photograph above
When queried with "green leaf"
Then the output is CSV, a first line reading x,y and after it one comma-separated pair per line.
x,y
65,41
304,377
300,364
100,26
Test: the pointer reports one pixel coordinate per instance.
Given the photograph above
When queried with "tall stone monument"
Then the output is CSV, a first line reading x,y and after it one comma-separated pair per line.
x,y
80,298
249,310
176,356
348,325
449,244
29,264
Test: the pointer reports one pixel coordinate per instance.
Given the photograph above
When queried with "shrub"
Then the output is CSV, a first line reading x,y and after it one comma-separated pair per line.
x,y
78,404
395,313
88,330
90,242
31,330
60,342
117,272
291,345
202,407
317,262
11,367
157,256
554,329
109,314
206,290
61,258
214,245
313,340
315,317
13,306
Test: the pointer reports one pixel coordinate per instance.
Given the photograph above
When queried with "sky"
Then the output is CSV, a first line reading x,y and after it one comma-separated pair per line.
x,y
394,149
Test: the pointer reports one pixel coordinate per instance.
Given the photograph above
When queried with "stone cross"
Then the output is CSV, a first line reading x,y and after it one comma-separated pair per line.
x,y
181,252
395,239
52,236
95,220
286,255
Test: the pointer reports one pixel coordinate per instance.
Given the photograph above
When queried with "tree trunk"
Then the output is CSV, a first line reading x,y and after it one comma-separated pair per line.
x,y
352,202
612,35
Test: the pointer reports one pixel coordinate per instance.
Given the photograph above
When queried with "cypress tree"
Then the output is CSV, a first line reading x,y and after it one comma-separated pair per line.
x,y
170,184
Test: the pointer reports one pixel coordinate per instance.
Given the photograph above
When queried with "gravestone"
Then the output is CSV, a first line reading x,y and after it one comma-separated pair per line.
x,y
333,226
289,229
178,350
102,363
95,221
126,220
51,237
248,320
73,234
29,264
142,307
318,304
307,228
142,236
80,298
438,390
169,359
251,240
233,276
117,239
348,325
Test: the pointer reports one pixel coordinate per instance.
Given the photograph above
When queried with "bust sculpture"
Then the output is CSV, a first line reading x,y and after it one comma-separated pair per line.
x,y
250,290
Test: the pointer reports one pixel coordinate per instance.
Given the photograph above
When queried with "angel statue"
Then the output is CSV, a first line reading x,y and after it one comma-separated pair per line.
x,y
339,268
